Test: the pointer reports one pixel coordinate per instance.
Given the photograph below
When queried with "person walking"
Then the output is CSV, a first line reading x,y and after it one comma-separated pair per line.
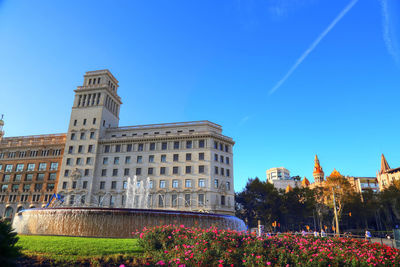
x,y
323,234
368,236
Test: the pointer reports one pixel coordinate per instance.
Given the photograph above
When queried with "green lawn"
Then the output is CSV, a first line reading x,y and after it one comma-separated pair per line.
x,y
62,248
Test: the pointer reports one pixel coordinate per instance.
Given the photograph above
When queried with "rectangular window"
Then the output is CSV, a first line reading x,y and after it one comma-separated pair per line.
x,y
6,178
216,183
152,146
164,145
78,161
118,148
163,158
201,143
221,147
201,168
228,186
222,171
228,173
175,183
74,185
114,185
64,185
215,157
116,160
86,173
162,170
216,170
31,167
72,136
52,176
140,147
80,149
176,145
124,185
175,170
88,160
107,149
150,171
129,148
40,177
9,168
18,177
94,119
151,158
201,156
29,177
139,159
19,168
221,159
151,184
66,173
202,183
91,135
188,156
201,199
82,137
176,157
187,200
188,144
127,159
75,121
162,183
215,145
138,171
90,149
38,187
188,183
104,172
102,185
68,162
188,169
227,160
115,172
53,166
222,200
226,148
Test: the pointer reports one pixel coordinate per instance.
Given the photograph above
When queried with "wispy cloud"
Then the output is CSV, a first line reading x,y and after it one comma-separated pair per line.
x,y
388,32
244,120
313,45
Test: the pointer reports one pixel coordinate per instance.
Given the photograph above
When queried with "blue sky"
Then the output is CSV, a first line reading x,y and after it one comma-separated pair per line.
x,y
218,61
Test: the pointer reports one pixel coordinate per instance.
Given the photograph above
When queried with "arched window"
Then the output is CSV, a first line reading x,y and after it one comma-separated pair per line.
x,y
9,212
20,208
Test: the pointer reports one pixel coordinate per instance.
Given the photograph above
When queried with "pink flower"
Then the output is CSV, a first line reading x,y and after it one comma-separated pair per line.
x,y
160,263
269,263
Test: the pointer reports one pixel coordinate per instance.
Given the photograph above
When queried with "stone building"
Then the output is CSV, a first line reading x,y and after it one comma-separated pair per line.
x,y
29,170
386,176
186,165
280,178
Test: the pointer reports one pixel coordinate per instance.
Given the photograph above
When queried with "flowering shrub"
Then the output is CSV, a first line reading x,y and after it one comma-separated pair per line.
x,y
181,246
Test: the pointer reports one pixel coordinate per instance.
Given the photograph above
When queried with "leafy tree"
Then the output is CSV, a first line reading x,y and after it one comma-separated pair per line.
x,y
8,239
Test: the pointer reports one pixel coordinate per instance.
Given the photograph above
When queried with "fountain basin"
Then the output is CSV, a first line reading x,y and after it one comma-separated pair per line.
x,y
110,222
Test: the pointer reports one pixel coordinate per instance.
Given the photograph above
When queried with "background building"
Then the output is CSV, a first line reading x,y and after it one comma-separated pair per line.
x,y
29,170
386,176
280,178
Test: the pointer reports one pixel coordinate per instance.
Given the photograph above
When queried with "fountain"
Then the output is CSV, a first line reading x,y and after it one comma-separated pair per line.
x,y
115,222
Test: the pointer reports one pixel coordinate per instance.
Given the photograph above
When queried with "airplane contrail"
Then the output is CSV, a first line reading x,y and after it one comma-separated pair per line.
x,y
313,45
390,45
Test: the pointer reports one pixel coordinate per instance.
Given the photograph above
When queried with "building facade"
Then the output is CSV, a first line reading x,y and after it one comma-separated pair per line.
x,y
187,166
29,171
386,176
280,178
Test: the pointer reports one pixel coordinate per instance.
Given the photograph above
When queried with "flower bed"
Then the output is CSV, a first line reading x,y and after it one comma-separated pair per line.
x,y
181,246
